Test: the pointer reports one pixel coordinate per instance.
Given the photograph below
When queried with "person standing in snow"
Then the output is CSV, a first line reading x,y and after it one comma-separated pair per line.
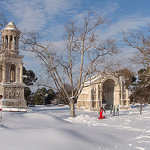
x,y
1,108
101,113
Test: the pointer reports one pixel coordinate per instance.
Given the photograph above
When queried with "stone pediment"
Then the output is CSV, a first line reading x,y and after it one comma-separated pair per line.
x,y
101,77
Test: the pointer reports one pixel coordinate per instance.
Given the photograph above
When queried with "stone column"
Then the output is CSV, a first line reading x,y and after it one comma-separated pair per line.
x,y
100,100
121,97
13,41
97,96
116,97
122,93
18,74
21,73
3,73
17,42
4,45
89,95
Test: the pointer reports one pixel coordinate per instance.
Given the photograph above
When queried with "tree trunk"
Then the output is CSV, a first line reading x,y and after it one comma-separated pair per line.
x,y
72,108
141,109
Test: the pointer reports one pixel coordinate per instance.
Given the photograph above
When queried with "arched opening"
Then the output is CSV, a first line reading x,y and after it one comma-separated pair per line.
x,y
6,41
11,42
3,43
108,93
12,73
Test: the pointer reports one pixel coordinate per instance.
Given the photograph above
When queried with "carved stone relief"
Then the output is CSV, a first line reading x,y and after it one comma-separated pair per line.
x,y
14,94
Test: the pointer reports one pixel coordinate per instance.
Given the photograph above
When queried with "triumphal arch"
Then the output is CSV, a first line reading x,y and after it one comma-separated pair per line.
x,y
104,89
11,69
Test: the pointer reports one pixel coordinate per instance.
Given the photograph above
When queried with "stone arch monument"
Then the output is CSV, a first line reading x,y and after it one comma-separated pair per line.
x,y
104,89
11,69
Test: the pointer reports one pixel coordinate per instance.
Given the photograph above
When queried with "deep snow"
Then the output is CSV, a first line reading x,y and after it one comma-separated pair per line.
x,y
51,128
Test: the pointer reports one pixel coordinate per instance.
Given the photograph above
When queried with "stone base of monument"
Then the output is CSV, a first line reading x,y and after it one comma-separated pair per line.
x,y
14,105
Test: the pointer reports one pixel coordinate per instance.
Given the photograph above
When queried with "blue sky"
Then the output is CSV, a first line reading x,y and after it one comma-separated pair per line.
x,y
49,16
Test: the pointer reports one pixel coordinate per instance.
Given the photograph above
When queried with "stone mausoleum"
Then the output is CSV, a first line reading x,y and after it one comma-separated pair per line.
x,y
104,89
11,70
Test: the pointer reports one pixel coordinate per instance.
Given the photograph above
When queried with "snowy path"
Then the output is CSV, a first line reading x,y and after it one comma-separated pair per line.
x,y
51,128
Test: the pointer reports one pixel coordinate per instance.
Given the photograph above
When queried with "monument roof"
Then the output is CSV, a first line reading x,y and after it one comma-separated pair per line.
x,y
10,26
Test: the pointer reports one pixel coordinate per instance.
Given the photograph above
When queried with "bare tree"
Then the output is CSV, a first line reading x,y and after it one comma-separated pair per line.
x,y
76,61
141,95
3,21
140,41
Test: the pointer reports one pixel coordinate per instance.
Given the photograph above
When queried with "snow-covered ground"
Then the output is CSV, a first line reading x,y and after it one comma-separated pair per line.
x,y
51,128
